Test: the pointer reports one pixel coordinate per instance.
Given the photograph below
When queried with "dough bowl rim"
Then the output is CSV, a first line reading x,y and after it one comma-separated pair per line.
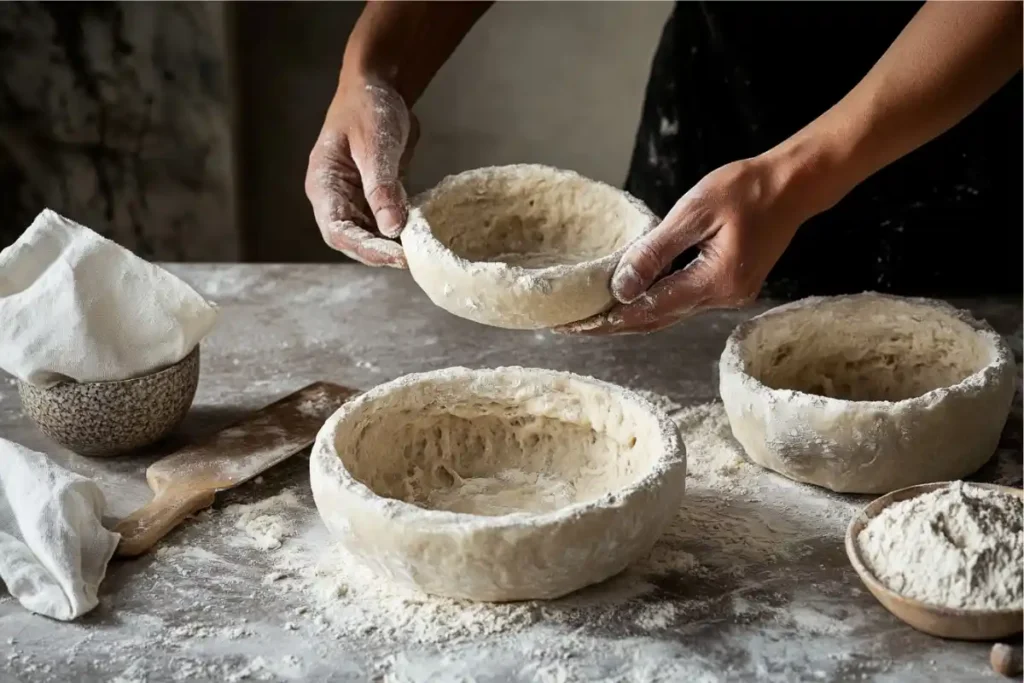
x,y
419,228
733,359
934,619
328,468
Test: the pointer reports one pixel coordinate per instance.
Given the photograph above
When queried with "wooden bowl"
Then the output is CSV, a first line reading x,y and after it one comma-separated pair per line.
x,y
945,622
111,418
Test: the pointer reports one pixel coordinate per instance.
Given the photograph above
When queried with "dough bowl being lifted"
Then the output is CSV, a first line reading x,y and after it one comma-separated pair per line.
x,y
523,246
497,485
867,393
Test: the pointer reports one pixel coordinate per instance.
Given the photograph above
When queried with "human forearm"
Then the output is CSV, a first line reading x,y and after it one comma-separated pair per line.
x,y
946,62
354,177
406,43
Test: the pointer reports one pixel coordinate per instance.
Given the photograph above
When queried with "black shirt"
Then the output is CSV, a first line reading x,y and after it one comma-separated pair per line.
x,y
732,79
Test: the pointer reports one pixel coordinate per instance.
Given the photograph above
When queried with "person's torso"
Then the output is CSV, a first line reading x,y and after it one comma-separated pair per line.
x,y
731,80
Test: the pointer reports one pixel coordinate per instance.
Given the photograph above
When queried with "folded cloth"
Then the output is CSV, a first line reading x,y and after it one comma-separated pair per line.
x,y
53,547
76,306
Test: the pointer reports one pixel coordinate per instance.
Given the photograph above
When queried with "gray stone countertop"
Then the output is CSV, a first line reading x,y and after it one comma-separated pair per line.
x,y
209,607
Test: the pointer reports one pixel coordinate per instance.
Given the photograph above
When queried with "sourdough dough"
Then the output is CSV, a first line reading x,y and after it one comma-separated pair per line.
x,y
521,247
867,393
495,485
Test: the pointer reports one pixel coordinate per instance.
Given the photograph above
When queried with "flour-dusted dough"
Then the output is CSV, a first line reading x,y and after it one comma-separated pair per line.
x,y
521,247
496,485
867,393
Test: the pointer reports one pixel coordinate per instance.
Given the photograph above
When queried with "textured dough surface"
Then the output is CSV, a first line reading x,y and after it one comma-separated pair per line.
x,y
867,393
489,459
521,246
500,484
885,352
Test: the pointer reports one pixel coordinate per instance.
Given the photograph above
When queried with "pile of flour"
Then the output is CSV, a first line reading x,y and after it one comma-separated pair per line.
x,y
961,546
264,527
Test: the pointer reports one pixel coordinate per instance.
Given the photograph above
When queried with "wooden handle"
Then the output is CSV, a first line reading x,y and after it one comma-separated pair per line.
x,y
147,525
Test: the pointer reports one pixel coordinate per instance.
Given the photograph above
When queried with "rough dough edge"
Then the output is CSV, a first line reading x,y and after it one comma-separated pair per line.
x,y
732,361
524,556
326,464
418,235
993,384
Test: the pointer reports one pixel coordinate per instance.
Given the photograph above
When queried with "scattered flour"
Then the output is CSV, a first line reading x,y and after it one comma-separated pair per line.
x,y
717,460
961,546
318,405
367,365
714,458
741,561
720,522
263,522
198,631
659,401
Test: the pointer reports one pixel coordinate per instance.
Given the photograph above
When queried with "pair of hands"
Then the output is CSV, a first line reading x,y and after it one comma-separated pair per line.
x,y
735,215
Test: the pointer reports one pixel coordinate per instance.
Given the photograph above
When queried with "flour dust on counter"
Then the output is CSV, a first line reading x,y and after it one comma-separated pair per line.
x,y
719,568
750,582
709,565
263,524
710,562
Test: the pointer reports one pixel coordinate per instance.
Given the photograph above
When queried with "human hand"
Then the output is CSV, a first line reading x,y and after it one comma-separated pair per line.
x,y
741,218
353,178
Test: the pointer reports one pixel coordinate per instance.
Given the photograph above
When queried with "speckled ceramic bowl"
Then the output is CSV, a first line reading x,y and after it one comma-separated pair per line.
x,y
111,418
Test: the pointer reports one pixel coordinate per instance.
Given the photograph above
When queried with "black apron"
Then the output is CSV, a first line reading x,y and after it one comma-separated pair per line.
x,y
732,79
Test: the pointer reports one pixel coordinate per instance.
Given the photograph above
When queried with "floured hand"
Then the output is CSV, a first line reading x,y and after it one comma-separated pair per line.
x,y
354,176
735,216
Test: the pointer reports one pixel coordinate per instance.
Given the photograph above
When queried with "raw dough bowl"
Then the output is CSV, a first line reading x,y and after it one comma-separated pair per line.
x,y
521,247
497,485
867,393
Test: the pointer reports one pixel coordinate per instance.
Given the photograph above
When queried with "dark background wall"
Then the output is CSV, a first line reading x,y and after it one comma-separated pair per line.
x,y
182,129
118,115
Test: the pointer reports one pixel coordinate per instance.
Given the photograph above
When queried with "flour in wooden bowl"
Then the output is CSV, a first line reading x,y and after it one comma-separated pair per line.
x,y
960,546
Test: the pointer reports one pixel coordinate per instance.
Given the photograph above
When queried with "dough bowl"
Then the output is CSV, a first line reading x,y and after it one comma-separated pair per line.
x,y
497,485
521,247
867,393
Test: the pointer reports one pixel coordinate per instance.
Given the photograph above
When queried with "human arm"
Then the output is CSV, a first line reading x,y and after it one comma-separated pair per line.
x,y
353,177
948,60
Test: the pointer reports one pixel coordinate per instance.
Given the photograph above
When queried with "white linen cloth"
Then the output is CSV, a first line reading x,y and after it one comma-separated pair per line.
x,y
54,549
76,306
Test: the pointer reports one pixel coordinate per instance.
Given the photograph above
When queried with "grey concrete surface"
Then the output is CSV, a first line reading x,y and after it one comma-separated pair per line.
x,y
805,618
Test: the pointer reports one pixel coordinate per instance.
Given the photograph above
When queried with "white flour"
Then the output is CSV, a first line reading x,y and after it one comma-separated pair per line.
x,y
265,529
961,546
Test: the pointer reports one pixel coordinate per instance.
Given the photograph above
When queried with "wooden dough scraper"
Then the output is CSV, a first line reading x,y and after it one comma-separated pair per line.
x,y
186,481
